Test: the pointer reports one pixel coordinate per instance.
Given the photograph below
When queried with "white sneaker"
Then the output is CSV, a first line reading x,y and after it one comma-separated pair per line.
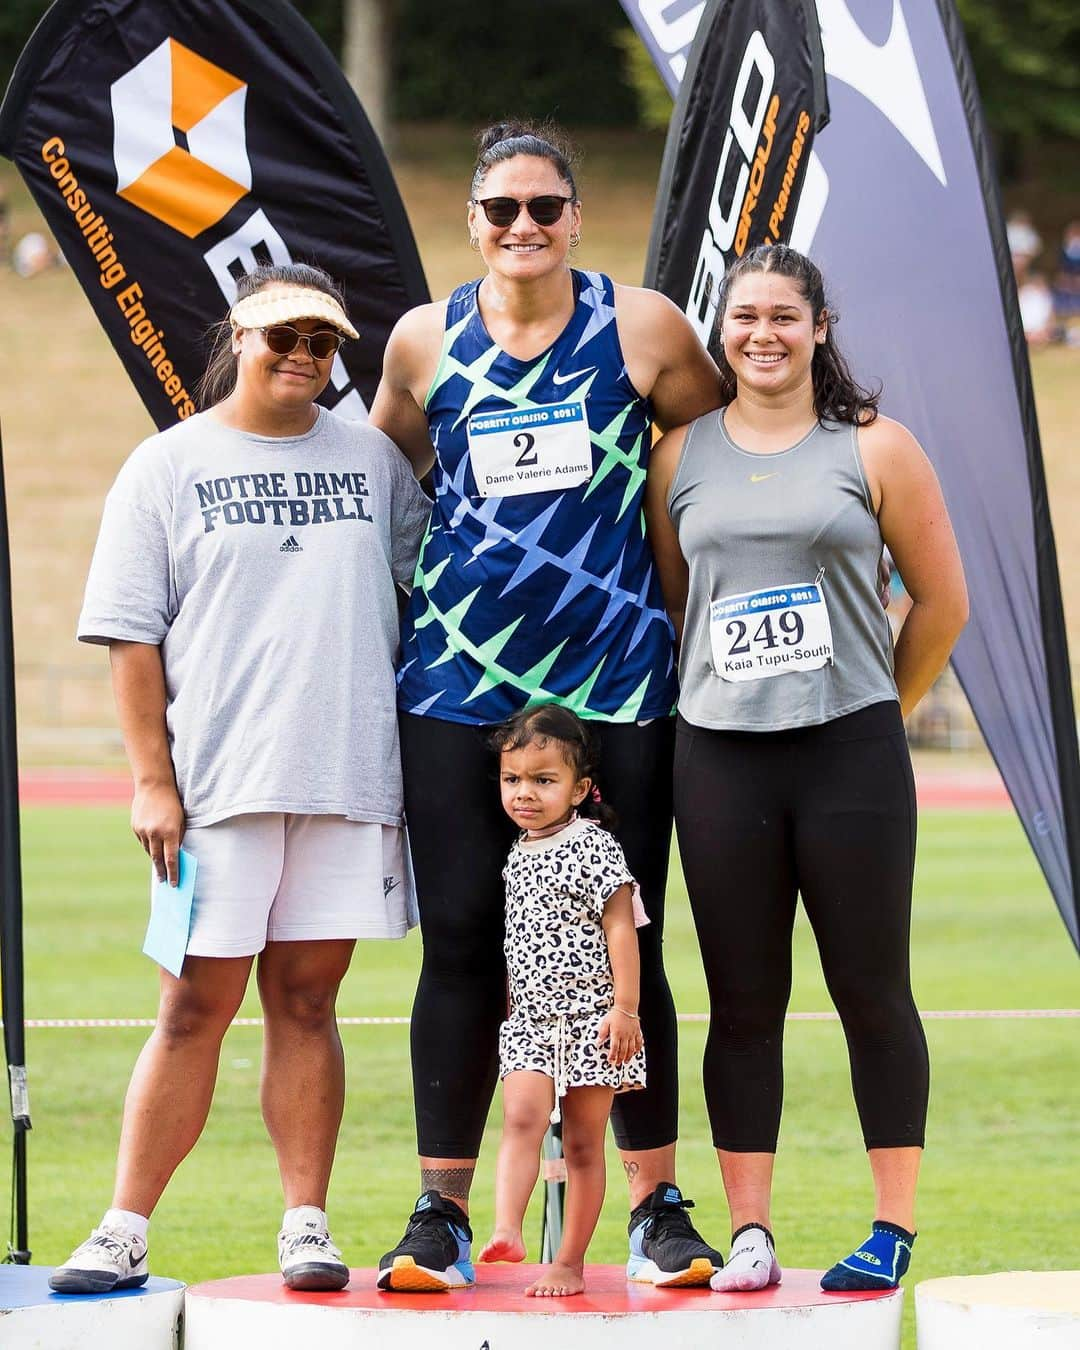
x,y
110,1258
308,1259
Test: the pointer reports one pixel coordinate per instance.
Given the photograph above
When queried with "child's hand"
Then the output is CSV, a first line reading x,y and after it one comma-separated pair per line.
x,y
622,1035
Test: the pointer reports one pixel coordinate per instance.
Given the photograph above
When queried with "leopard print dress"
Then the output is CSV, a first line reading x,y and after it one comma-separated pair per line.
x,y
557,959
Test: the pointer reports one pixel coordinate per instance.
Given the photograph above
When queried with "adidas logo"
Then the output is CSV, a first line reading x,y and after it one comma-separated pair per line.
x,y
290,545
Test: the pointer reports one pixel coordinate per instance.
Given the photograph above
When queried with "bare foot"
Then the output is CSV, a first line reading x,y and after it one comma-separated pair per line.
x,y
558,1281
505,1244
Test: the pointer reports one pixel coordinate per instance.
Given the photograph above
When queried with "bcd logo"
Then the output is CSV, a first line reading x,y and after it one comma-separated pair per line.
x,y
178,138
744,127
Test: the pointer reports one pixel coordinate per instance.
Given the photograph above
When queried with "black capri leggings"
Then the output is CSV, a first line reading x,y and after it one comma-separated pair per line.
x,y
460,837
828,812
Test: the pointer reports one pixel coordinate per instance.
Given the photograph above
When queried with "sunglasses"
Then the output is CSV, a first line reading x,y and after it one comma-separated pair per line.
x,y
283,340
503,211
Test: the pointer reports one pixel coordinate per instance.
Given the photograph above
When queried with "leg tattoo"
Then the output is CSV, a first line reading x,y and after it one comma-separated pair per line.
x,y
451,1182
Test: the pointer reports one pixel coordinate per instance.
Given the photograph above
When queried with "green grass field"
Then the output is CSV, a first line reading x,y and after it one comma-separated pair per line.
x,y
999,1186
1000,1175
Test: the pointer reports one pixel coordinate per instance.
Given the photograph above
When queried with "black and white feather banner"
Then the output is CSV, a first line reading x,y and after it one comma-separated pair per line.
x,y
174,144
898,204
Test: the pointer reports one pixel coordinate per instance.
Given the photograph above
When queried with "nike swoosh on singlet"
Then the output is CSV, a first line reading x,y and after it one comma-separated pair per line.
x,y
574,374
760,477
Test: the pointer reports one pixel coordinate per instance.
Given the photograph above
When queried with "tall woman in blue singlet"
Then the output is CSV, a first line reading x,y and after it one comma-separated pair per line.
x,y
792,774
533,390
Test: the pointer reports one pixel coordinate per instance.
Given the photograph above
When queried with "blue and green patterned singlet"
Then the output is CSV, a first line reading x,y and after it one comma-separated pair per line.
x,y
547,595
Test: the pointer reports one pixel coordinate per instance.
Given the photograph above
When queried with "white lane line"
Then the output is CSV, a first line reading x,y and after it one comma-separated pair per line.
x,y
950,1014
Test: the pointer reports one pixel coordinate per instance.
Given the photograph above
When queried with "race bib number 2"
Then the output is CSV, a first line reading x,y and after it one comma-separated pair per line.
x,y
530,450
764,633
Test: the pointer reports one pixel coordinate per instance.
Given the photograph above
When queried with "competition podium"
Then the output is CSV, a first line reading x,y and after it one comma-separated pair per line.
x,y
32,1317
1019,1310
610,1315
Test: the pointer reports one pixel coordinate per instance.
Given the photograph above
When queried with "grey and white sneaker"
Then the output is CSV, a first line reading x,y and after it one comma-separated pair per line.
x,y
308,1259
110,1258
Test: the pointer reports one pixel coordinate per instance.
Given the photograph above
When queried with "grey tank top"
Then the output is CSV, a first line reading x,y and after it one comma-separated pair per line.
x,y
784,624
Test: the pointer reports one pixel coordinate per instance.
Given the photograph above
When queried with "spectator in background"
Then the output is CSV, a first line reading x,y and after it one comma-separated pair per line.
x,y
1037,311
1067,280
33,254
1025,243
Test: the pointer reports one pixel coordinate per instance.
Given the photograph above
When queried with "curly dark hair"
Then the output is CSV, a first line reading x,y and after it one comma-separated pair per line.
x,y
548,723
837,396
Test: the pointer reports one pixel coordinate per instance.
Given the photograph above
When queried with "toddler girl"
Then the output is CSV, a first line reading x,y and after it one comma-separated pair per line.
x,y
572,1038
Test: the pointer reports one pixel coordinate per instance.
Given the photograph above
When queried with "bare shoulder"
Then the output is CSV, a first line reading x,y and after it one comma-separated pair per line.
x,y
664,460
885,439
638,307
665,455
412,350
664,356
897,467
419,328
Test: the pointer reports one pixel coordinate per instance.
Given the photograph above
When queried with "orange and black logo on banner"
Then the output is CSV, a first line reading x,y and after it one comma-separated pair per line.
x,y
172,145
751,99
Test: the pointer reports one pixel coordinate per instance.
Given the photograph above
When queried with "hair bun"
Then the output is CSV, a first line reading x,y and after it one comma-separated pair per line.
x,y
505,140
500,131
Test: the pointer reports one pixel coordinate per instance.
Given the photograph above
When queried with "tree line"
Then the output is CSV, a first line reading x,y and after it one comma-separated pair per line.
x,y
580,63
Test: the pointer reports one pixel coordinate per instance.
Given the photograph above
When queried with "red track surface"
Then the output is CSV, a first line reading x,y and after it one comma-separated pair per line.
x,y
78,787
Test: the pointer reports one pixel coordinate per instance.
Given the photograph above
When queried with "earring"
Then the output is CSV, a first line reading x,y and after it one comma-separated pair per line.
x,y
474,242
575,239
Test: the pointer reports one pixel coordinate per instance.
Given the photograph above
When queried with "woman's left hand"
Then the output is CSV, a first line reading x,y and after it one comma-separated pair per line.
x,y
622,1035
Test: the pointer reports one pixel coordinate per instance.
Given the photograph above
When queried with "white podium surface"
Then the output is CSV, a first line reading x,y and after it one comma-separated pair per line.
x,y
1018,1310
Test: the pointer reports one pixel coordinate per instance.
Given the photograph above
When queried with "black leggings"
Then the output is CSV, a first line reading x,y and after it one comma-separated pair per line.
x,y
827,811
460,837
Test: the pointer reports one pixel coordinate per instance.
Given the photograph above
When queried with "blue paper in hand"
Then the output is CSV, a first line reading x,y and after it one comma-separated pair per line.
x,y
171,908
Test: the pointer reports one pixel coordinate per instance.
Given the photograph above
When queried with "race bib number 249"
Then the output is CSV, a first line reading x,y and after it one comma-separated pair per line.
x,y
764,633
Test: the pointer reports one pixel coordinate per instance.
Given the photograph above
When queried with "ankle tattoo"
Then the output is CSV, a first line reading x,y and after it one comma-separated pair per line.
x,y
452,1182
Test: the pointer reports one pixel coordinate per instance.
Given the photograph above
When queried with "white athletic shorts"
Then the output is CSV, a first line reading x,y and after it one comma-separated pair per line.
x,y
269,877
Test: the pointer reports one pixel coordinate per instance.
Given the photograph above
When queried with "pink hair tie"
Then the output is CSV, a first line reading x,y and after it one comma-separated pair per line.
x,y
594,795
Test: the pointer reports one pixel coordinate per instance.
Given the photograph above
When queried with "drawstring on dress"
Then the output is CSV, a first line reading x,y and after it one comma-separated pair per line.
x,y
560,1068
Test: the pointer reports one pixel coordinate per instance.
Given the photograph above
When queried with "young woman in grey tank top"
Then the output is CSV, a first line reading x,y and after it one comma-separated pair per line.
x,y
768,520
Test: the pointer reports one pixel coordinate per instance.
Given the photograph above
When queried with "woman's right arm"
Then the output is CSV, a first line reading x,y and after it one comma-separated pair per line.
x,y
157,816
670,564
410,361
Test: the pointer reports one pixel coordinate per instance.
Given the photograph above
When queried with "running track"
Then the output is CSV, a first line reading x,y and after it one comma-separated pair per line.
x,y
969,791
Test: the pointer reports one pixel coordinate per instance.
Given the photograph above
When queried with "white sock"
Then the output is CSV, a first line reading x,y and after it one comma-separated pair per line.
x,y
751,1265
135,1224
304,1216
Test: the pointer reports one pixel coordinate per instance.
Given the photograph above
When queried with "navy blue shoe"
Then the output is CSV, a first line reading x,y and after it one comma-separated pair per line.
x,y
434,1255
665,1248
880,1263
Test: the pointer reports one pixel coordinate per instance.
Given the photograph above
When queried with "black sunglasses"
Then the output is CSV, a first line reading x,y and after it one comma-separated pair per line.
x,y
503,211
283,340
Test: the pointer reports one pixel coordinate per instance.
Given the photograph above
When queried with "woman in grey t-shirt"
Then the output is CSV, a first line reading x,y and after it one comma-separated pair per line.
x,y
245,581
768,519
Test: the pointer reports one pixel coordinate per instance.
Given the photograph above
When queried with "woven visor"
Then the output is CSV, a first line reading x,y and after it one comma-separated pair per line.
x,y
285,304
